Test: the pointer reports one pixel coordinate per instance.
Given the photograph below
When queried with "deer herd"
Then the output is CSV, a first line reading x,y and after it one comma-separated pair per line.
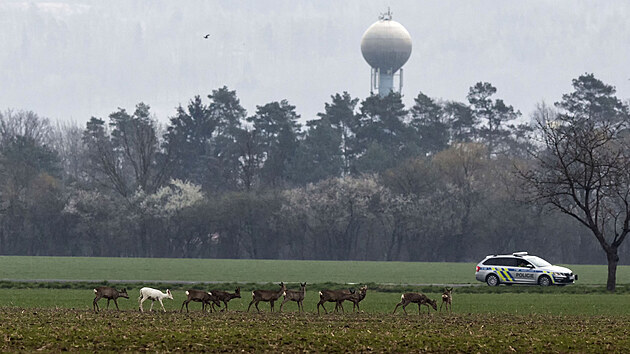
x,y
215,297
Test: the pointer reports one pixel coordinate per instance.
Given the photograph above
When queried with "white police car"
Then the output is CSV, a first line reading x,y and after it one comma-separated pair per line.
x,y
521,268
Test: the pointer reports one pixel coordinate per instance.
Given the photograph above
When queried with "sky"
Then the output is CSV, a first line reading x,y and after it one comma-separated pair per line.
x,y
74,59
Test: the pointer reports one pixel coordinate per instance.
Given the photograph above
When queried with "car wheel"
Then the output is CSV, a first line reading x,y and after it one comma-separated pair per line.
x,y
544,281
492,280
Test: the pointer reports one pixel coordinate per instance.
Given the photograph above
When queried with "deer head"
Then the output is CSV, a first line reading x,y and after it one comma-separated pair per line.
x,y
168,294
123,293
433,304
237,292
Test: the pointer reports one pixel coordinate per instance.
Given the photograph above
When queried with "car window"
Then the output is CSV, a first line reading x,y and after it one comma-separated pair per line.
x,y
510,262
491,261
539,262
501,261
523,263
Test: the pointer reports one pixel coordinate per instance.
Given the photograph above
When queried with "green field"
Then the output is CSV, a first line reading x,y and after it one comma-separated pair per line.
x,y
260,271
375,302
57,316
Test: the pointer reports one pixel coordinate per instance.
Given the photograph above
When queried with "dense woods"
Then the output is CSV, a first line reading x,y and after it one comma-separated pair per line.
x,y
367,179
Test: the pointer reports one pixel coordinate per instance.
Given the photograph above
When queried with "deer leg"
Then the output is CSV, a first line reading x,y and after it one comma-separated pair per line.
x,y
182,309
396,308
160,304
405,307
256,305
225,306
108,304
322,304
116,303
151,308
341,306
95,303
250,305
141,301
442,304
271,303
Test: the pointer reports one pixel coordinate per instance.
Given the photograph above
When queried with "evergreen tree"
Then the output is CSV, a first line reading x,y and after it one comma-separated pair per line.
x,y
382,137
429,126
277,130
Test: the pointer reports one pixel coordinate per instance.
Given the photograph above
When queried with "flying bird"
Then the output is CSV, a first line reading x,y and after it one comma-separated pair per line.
x,y
206,36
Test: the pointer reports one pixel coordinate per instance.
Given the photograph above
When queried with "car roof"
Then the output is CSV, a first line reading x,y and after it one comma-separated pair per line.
x,y
515,254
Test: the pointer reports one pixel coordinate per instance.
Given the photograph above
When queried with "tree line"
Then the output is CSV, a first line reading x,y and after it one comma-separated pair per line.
x,y
367,179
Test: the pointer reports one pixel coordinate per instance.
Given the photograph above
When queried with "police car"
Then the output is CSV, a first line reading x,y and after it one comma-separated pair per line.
x,y
522,268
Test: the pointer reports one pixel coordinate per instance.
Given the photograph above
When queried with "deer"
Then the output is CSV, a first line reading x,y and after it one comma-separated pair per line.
x,y
110,294
295,295
337,296
447,298
153,295
205,297
358,297
226,297
416,298
267,296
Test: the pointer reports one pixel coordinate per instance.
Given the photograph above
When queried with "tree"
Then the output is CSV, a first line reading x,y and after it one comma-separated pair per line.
x,y
461,122
276,127
187,141
201,140
135,138
463,169
493,115
428,121
583,168
30,194
319,155
127,158
382,137
340,113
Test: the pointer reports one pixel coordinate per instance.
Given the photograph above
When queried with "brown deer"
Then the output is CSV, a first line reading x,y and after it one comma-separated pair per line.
x,y
110,294
358,297
205,297
295,295
447,298
416,298
269,296
226,297
336,296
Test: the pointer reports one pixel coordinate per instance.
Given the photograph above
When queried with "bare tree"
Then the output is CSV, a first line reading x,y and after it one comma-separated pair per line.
x,y
583,168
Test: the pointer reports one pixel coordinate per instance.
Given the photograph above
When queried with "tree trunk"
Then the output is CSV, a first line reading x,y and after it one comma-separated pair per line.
x,y
613,259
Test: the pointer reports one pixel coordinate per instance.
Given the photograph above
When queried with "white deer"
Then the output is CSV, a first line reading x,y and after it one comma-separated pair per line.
x,y
153,294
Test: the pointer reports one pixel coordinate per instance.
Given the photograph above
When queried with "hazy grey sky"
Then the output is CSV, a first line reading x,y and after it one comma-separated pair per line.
x,y
69,60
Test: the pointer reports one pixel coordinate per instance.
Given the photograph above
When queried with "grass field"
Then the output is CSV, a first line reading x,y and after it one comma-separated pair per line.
x,y
375,302
57,316
260,271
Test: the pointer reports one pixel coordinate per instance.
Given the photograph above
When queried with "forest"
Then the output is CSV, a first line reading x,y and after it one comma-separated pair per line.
x,y
367,179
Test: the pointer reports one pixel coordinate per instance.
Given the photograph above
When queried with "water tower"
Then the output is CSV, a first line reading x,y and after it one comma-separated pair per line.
x,y
386,46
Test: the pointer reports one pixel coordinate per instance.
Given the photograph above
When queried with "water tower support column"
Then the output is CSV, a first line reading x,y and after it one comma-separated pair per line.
x,y
386,82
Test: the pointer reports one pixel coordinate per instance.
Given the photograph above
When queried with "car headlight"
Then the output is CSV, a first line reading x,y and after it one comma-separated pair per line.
x,y
559,274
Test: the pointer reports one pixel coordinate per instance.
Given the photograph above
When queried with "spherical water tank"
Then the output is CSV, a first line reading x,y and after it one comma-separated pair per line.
x,y
386,45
